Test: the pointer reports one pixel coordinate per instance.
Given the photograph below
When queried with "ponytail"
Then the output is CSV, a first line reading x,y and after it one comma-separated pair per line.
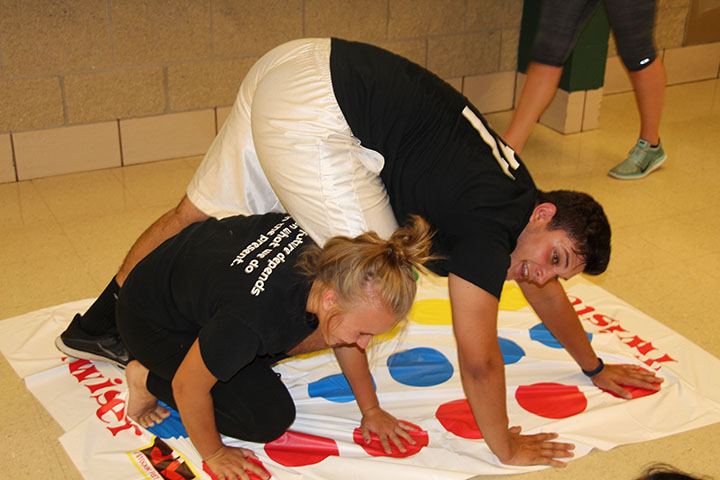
x,y
367,265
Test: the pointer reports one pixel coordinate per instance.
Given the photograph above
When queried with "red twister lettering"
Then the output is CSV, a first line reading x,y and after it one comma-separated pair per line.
x,y
646,352
111,408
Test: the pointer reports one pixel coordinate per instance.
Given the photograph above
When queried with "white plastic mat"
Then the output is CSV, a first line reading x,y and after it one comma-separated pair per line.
x,y
417,380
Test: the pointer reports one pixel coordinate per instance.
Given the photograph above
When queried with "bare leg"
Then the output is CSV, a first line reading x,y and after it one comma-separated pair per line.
x,y
142,405
164,227
99,319
649,87
537,93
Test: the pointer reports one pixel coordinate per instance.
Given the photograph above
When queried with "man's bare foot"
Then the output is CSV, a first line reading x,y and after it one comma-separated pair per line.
x,y
142,406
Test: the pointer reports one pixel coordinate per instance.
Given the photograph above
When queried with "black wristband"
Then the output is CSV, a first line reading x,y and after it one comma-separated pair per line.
x,y
599,369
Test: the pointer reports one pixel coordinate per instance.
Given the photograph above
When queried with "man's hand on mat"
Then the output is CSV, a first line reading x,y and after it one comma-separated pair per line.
x,y
613,377
232,462
385,426
537,449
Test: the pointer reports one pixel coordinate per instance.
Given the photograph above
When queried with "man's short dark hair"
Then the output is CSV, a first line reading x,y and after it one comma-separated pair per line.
x,y
585,222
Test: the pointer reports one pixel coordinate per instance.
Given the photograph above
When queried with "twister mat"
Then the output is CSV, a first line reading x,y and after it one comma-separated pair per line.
x,y
416,374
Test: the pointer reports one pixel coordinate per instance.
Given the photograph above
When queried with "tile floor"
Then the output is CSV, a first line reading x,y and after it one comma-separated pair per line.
x,y
62,239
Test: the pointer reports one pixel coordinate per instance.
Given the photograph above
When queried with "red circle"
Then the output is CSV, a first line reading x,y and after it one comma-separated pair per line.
x,y
551,400
376,449
252,475
295,449
636,392
457,418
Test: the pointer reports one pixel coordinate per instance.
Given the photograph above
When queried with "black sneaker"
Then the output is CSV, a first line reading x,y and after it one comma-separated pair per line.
x,y
106,348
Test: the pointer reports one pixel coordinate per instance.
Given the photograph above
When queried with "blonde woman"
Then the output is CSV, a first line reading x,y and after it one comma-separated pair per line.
x,y
208,312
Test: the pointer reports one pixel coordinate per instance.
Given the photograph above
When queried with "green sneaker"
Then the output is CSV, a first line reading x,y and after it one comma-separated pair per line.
x,y
642,160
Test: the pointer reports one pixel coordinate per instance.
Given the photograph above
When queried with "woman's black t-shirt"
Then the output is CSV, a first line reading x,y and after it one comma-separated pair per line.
x,y
233,282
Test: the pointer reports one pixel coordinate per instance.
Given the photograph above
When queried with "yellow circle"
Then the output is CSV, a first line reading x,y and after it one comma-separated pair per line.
x,y
437,311
512,298
434,311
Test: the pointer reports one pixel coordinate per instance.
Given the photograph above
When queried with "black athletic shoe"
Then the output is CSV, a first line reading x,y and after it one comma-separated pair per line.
x,y
106,348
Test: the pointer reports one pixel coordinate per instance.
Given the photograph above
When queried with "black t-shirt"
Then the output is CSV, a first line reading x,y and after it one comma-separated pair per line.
x,y
442,160
233,282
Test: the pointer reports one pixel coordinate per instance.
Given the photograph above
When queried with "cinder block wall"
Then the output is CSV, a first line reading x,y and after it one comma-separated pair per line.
x,y
95,68
87,84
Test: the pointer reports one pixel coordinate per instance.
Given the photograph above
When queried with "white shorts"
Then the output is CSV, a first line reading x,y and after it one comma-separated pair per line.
x,y
286,147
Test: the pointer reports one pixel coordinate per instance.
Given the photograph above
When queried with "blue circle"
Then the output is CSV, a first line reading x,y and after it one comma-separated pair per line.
x,y
171,427
541,334
334,388
420,367
511,351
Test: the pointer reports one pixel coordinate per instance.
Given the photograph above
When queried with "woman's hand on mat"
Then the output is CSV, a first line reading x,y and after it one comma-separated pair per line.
x,y
537,449
232,462
613,377
387,428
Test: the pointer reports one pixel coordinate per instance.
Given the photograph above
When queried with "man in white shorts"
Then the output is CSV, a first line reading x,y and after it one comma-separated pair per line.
x,y
347,137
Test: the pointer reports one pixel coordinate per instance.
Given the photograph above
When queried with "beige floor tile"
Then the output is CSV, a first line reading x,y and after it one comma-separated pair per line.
x,y
28,244
632,252
84,194
627,205
691,104
154,183
657,292
21,205
707,265
30,445
43,282
102,242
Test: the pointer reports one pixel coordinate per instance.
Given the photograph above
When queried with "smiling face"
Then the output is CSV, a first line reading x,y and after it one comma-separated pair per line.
x,y
357,325
542,254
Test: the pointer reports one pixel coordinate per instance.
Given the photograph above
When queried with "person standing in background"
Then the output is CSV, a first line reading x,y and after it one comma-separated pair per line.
x,y
560,25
